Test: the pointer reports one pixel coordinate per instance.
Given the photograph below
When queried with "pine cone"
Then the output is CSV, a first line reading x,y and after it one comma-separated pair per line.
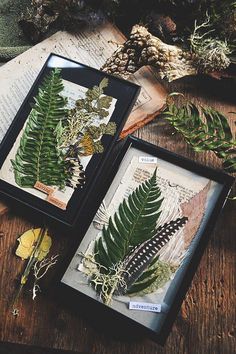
x,y
170,61
142,48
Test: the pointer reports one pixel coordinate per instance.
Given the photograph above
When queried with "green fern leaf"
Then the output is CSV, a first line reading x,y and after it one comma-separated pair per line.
x,y
209,133
133,223
37,158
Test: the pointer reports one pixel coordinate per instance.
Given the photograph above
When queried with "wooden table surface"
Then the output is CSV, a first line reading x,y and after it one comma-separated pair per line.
x,y
205,324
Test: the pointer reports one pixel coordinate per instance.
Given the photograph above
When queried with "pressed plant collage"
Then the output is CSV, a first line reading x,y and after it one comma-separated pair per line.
x,y
59,137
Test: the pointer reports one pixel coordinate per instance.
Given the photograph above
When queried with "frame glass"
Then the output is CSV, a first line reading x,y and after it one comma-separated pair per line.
x,y
140,248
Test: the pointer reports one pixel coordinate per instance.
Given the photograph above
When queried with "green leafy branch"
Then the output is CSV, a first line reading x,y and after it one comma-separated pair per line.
x,y
205,129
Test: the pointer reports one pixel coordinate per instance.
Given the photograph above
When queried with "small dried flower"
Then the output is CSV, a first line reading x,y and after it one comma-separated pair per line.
x,y
87,145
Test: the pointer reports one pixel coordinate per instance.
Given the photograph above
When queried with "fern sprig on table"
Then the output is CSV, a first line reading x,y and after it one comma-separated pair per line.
x,y
205,129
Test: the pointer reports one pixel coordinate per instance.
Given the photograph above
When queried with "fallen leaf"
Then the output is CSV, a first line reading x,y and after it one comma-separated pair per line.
x,y
27,242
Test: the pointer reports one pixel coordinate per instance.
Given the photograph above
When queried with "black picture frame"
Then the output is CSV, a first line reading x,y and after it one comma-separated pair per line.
x,y
110,320
125,93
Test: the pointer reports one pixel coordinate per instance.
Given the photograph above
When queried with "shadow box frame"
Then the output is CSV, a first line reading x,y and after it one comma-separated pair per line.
x,y
111,321
123,91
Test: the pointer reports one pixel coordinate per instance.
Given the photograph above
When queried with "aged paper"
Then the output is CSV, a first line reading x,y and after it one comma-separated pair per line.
x,y
180,187
91,47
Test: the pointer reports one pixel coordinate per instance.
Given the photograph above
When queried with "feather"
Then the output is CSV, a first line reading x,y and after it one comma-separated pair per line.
x,y
102,217
143,254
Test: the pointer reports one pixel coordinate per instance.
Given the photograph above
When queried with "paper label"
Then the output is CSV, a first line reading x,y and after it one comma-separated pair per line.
x,y
144,306
43,188
147,159
56,202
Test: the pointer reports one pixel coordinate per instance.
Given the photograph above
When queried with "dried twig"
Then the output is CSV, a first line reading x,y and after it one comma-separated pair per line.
x,y
40,269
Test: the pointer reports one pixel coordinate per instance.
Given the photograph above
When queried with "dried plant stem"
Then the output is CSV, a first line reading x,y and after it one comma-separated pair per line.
x,y
104,283
40,269
30,264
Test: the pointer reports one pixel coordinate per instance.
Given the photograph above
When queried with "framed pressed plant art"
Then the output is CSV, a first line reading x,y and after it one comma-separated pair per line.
x,y
141,246
62,135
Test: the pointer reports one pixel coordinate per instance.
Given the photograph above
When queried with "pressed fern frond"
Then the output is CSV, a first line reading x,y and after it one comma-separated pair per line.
x,y
133,223
211,132
37,158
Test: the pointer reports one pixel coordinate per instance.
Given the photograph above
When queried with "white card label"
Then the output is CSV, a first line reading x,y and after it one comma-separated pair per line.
x,y
147,159
144,306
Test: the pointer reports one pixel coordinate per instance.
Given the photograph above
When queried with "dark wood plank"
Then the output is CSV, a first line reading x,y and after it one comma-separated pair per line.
x,y
205,322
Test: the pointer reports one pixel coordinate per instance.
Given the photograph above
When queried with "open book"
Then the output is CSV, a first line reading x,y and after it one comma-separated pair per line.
x,y
91,47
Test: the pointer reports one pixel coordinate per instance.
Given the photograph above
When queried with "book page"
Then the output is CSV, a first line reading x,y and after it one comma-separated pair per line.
x,y
91,47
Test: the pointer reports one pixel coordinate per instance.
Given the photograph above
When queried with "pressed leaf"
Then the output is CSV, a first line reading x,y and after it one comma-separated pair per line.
x,y
27,242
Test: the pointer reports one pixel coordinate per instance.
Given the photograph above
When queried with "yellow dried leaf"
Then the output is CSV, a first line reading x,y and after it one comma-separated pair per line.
x,y
27,243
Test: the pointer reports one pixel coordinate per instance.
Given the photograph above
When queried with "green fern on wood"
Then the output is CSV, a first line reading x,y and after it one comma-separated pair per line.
x,y
205,130
37,158
133,223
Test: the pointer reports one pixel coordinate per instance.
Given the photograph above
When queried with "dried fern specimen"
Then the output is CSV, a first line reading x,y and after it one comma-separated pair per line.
x,y
204,129
37,158
134,223
55,137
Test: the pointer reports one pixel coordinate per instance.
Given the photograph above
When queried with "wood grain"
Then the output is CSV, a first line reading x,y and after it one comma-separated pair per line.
x,y
205,324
